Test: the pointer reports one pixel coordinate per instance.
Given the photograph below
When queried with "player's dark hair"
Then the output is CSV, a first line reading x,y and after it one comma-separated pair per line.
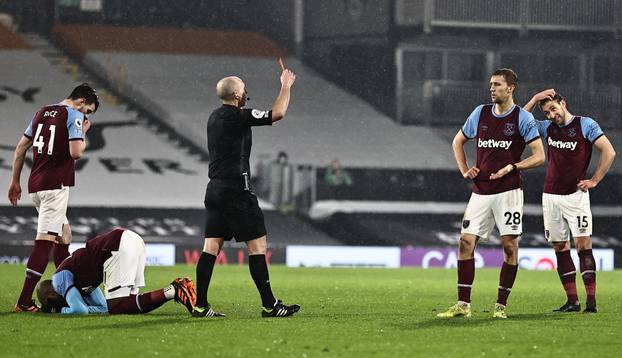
x,y
511,78
557,98
87,92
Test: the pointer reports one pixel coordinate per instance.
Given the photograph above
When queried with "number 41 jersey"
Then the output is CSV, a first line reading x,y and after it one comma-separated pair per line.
x,y
50,130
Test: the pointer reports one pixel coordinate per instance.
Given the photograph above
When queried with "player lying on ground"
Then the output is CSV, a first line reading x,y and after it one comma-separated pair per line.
x,y
119,256
566,197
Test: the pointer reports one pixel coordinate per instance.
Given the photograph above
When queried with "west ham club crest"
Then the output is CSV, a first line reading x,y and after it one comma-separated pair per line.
x,y
509,129
572,132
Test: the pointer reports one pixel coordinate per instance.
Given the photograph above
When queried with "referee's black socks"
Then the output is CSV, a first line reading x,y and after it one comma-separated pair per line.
x,y
259,273
205,267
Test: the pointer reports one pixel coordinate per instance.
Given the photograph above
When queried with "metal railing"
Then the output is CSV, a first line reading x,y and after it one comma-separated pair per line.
x,y
523,15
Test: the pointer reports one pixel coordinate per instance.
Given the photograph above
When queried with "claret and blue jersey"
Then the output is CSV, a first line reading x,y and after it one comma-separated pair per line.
x,y
569,152
51,130
526,122
80,301
74,120
501,139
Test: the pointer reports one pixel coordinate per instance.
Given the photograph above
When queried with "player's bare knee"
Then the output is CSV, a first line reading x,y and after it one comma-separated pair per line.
x,y
510,251
67,236
212,246
467,246
258,246
583,243
560,246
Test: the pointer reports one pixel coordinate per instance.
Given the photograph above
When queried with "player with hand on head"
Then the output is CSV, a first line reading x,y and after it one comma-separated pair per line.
x,y
566,197
231,208
501,130
57,134
117,259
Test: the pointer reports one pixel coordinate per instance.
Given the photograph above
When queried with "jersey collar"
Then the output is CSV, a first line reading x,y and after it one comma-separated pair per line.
x,y
492,109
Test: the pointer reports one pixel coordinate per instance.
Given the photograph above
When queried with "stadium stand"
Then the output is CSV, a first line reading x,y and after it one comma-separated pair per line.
x,y
393,180
8,39
118,150
406,190
132,175
323,122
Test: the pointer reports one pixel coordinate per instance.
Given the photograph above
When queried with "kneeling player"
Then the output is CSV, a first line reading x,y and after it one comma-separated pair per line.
x,y
119,257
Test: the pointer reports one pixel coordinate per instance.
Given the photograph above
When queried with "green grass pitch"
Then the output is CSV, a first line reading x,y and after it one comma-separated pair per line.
x,y
345,313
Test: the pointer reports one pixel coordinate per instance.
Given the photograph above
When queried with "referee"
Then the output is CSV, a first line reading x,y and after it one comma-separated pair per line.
x,y
231,208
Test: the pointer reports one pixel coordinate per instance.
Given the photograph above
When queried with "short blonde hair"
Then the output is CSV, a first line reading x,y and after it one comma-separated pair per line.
x,y
226,86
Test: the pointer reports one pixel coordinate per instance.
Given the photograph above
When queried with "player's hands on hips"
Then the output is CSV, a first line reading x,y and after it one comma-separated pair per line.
x,y
471,173
15,193
546,94
586,185
287,78
502,172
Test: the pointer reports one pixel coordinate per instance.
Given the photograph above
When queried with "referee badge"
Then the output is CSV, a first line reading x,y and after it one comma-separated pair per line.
x,y
259,114
465,223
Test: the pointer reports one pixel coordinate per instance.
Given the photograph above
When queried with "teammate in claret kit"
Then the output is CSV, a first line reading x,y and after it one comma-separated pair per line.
x,y
57,134
117,259
566,196
501,130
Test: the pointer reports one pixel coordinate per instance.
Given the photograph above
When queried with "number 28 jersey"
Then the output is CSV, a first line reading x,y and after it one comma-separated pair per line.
x,y
50,130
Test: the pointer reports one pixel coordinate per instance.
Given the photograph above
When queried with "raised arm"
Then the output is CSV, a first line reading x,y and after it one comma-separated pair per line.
x,y
78,145
548,93
15,189
279,108
607,154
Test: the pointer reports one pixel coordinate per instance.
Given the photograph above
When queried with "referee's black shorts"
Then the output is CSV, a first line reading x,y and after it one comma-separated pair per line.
x,y
231,211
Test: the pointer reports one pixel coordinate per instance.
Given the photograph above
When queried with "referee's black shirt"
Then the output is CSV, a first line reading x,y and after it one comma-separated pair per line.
x,y
229,140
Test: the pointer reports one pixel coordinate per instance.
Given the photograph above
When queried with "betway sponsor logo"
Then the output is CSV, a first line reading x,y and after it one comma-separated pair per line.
x,y
491,143
561,144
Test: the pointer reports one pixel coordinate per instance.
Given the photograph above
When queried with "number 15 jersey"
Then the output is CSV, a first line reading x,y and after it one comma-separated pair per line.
x,y
51,130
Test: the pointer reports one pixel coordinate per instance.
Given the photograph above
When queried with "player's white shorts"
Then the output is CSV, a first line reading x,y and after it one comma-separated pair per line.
x,y
52,208
124,271
503,209
564,214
